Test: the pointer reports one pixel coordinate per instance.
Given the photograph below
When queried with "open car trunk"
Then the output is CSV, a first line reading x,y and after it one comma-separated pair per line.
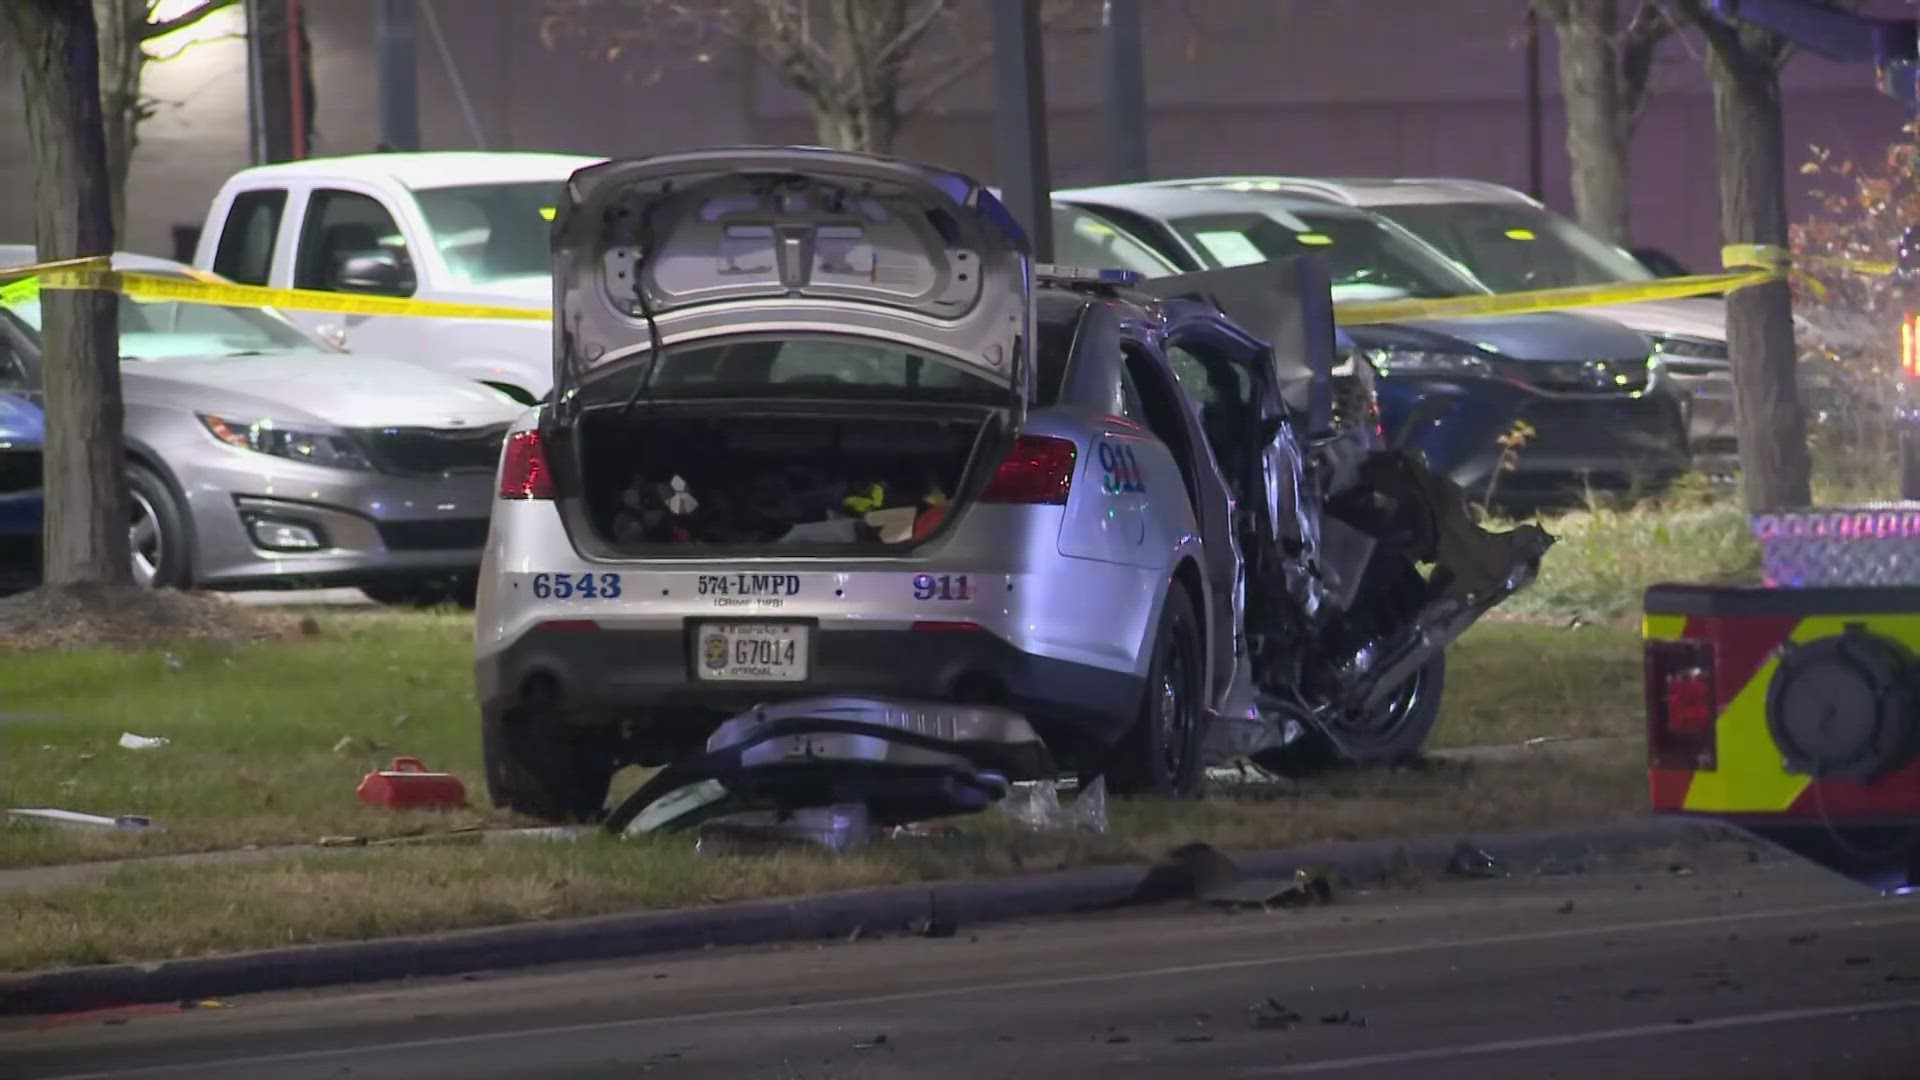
x,y
685,478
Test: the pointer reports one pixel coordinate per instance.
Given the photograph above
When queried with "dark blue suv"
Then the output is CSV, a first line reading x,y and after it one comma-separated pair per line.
x,y
1599,414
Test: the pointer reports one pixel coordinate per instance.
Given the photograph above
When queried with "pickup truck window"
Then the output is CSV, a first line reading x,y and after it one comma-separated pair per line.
x,y
342,226
247,239
491,232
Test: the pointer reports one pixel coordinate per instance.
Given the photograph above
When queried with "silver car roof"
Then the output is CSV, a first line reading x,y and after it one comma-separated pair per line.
x,y
1369,191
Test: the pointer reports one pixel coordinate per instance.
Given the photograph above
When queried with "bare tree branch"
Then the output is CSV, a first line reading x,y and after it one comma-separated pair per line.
x,y
909,36
183,20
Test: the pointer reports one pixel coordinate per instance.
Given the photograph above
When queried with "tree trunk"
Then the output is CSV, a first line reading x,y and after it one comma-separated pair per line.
x,y
867,129
1599,121
121,61
1753,210
85,531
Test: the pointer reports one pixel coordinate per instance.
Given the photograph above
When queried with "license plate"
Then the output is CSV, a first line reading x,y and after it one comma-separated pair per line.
x,y
751,652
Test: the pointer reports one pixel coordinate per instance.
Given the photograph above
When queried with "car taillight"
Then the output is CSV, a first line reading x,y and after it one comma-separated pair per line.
x,y
1681,705
1038,471
523,468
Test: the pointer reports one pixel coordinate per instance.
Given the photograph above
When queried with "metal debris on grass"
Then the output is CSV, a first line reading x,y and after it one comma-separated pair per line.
x,y
838,829
1471,862
71,819
1037,805
1304,888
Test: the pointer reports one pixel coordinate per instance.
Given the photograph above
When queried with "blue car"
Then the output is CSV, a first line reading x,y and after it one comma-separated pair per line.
x,y
22,429
1599,413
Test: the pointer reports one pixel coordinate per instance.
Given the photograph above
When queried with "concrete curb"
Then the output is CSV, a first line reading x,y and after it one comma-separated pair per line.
x,y
834,915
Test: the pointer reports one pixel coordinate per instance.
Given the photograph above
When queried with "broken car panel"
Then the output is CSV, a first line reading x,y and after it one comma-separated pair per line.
x,y
824,430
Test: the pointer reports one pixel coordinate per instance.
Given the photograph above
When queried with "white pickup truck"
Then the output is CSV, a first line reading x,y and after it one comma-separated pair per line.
x,y
460,227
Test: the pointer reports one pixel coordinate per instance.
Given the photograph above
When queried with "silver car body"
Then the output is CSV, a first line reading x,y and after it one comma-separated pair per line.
x,y
1065,598
430,440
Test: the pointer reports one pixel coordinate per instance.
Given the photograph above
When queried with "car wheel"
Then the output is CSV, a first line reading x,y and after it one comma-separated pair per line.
x,y
545,769
1391,735
156,532
1160,753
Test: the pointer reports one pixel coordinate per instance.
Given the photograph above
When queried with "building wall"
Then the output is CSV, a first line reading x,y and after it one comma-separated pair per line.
x,y
1329,87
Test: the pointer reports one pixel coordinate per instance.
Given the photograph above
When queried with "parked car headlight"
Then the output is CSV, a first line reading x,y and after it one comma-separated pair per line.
x,y
1670,345
1428,362
313,447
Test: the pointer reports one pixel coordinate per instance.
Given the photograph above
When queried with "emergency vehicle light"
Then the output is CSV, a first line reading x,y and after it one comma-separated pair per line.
x,y
1877,544
1051,273
1681,705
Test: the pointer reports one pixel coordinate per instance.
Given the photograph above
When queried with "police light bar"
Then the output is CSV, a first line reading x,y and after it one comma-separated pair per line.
x,y
1873,545
1049,273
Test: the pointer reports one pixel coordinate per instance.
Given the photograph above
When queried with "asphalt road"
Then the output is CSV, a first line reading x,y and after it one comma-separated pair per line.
x,y
1769,970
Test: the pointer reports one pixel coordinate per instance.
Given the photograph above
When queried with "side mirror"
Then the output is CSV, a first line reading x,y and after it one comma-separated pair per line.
x,y
374,272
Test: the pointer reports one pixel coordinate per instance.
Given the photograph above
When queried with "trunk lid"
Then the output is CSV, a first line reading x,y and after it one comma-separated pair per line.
x,y
792,241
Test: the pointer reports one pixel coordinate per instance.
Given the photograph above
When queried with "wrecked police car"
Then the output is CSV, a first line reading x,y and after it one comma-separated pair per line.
x,y
821,428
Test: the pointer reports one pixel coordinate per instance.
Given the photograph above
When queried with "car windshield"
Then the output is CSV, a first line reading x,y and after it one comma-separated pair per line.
x,y
1082,239
492,232
1514,247
166,329
1367,258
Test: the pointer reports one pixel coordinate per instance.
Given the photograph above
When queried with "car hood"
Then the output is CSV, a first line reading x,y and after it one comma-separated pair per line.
x,y
1546,336
344,391
21,422
1702,318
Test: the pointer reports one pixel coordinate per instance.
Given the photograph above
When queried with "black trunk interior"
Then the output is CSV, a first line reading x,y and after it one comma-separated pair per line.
x,y
741,474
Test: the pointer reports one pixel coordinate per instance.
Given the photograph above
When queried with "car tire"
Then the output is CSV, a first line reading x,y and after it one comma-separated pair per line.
x,y
157,532
544,769
1160,753
1395,733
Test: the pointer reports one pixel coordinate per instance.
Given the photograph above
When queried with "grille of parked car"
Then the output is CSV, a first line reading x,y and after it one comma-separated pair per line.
x,y
459,534
1625,430
418,451
1580,377
19,471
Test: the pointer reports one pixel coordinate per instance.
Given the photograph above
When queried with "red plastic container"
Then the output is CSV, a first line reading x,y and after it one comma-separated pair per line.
x,y
409,786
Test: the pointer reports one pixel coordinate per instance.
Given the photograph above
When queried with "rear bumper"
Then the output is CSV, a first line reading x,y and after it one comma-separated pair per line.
x,y
646,674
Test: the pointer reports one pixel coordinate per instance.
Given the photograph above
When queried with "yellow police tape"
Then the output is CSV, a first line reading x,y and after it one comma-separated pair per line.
x,y
1747,265
206,289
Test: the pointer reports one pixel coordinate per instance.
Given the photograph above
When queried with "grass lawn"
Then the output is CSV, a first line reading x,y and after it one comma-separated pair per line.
x,y
268,742
159,912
